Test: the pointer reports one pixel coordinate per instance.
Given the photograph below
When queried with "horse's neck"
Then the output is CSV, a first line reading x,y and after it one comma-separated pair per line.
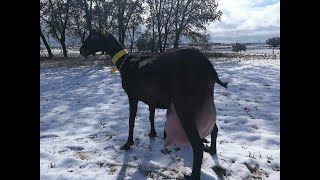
x,y
114,48
114,45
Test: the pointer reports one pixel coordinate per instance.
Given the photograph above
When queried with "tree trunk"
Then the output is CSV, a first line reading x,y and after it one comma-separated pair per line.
x,y
46,44
165,37
132,40
182,23
176,41
177,38
153,36
131,46
121,8
165,43
64,49
88,14
123,37
120,21
158,9
166,27
83,37
63,45
159,40
119,32
272,50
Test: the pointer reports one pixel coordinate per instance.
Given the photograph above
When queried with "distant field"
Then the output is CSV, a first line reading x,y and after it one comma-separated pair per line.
x,y
260,49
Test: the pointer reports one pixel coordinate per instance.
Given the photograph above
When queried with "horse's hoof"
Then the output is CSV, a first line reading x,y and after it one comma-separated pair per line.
x,y
210,150
126,146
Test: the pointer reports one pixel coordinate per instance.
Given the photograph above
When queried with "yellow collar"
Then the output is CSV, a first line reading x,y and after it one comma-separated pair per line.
x,y
115,58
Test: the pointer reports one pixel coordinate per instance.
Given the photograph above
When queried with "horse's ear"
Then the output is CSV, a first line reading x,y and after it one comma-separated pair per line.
x,y
105,33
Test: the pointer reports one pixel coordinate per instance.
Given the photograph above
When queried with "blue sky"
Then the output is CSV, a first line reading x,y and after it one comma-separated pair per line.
x,y
246,21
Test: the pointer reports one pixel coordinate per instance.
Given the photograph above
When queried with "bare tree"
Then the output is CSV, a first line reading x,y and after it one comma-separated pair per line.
x,y
151,36
167,22
78,24
58,13
92,14
98,15
273,42
125,10
200,39
104,15
192,16
134,28
46,43
42,7
86,6
142,44
161,18
238,47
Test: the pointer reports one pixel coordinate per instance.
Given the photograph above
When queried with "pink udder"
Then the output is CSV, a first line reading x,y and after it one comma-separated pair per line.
x,y
205,121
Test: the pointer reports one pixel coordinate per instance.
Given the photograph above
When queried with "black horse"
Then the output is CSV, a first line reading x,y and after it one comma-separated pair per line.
x,y
179,80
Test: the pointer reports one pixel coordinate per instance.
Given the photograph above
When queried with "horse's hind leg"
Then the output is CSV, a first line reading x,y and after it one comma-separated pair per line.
x,y
213,148
186,115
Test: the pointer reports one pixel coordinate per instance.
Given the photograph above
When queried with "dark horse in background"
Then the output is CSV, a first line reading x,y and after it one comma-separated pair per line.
x,y
179,80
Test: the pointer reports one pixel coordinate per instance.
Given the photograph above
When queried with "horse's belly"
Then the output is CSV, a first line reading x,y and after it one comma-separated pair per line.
x,y
205,121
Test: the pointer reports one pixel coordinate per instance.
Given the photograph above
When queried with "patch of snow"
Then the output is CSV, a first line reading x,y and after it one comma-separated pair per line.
x,y
84,116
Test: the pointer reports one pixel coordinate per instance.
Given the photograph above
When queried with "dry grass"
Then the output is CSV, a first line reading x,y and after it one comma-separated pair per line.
x,y
74,61
244,56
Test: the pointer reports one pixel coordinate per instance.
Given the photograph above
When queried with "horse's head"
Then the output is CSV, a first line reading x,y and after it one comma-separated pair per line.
x,y
94,43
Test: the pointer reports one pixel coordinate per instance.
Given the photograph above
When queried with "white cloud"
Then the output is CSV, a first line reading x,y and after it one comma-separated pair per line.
x,y
246,20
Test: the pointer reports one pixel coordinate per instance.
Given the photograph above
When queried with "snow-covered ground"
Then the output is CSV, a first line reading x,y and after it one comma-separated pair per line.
x,y
84,121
